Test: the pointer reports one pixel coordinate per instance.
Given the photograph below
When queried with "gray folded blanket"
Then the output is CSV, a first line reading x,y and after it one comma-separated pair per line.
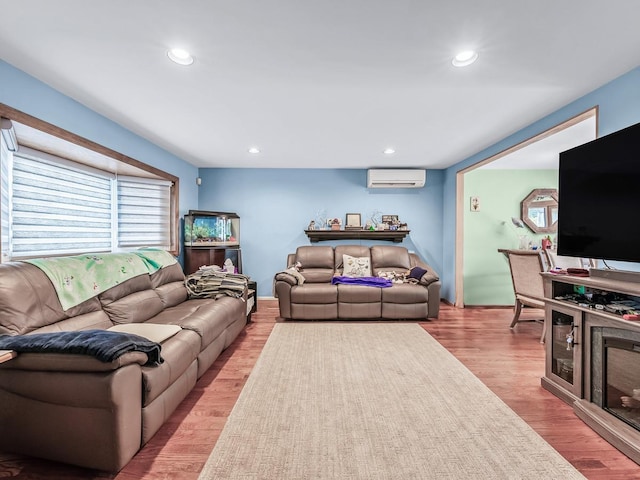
x,y
101,344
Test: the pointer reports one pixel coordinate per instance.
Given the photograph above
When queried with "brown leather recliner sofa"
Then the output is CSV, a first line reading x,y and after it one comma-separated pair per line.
x,y
77,409
318,299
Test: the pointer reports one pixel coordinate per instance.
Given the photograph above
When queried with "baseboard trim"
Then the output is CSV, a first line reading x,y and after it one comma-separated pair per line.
x,y
480,307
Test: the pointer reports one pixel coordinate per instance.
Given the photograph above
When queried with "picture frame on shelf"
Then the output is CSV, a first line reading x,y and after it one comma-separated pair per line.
x,y
353,221
391,222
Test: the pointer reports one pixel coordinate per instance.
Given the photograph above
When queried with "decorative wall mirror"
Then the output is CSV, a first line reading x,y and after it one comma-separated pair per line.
x,y
539,210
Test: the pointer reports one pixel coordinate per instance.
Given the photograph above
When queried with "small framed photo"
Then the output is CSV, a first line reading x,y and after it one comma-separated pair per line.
x,y
390,219
353,222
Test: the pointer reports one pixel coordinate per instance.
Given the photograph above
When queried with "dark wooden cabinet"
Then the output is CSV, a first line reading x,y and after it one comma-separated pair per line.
x,y
196,257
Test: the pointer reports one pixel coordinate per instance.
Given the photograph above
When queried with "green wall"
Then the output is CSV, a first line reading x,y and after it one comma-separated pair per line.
x,y
486,276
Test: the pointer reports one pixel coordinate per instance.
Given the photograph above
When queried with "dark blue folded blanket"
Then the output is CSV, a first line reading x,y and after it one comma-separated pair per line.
x,y
102,344
366,281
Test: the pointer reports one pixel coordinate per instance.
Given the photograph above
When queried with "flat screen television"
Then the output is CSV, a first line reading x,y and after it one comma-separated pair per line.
x,y
599,198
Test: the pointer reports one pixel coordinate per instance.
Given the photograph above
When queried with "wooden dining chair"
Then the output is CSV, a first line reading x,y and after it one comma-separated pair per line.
x,y
526,267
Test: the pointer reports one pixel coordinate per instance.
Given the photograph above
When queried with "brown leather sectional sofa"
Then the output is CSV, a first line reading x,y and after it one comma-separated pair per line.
x,y
79,410
318,299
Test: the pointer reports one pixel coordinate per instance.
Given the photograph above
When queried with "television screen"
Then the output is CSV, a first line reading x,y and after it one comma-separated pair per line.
x,y
599,198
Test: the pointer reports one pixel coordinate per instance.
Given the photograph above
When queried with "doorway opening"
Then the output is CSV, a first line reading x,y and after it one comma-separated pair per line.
x,y
477,258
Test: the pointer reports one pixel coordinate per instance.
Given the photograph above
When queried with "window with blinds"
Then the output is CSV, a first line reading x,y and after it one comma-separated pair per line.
x,y
4,201
58,207
144,215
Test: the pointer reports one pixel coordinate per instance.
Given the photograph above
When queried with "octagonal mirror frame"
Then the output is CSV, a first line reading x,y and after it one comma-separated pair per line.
x,y
545,202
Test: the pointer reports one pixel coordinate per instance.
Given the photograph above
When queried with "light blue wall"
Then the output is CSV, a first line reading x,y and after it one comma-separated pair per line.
x,y
29,95
619,107
276,205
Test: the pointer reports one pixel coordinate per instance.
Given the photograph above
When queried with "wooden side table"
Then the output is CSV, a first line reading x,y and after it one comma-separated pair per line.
x,y
6,355
253,294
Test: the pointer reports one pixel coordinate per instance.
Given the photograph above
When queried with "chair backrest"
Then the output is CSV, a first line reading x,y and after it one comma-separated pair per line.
x,y
526,266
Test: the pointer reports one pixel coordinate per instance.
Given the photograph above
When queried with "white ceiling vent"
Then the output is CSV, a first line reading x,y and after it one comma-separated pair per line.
x,y
394,178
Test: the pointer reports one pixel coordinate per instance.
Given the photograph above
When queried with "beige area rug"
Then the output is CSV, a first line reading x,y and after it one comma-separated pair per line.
x,y
373,401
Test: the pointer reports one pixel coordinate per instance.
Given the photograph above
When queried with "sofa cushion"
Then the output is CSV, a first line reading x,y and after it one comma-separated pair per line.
x,y
314,311
178,353
317,263
405,301
172,293
137,307
359,294
28,300
86,321
132,285
353,250
168,274
358,301
405,311
389,258
318,293
354,311
207,317
405,293
151,331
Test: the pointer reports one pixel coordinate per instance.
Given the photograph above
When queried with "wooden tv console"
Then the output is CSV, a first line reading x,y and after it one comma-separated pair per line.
x,y
571,366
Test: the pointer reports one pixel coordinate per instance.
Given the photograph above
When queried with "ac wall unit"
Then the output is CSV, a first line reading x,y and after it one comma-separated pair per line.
x,y
396,178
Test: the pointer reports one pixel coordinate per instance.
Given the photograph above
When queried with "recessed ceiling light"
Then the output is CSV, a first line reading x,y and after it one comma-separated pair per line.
x,y
180,56
254,150
464,58
388,151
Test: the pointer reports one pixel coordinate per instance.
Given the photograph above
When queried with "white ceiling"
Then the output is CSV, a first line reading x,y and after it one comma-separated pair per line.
x,y
322,84
544,154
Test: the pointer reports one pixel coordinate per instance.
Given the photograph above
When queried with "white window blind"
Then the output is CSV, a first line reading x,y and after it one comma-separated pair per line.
x,y
144,212
4,201
58,209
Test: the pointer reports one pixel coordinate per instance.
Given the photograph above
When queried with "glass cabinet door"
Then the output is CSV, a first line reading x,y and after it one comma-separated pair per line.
x,y
562,340
563,354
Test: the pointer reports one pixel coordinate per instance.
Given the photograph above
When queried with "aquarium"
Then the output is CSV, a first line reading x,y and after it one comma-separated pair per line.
x,y
211,229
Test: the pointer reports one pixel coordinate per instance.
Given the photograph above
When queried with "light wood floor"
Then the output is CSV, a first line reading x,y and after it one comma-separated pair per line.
x,y
509,362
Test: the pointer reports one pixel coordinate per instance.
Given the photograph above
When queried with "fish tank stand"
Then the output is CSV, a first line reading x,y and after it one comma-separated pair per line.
x,y
211,238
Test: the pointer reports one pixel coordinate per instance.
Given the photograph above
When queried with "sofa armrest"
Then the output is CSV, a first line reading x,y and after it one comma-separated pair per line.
x,y
67,362
90,419
286,277
282,291
434,299
429,278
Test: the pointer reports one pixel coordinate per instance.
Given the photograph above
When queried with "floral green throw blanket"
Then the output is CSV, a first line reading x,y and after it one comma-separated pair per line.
x,y
81,277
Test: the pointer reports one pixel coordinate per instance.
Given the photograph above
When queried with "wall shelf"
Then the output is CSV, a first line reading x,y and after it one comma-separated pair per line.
x,y
388,235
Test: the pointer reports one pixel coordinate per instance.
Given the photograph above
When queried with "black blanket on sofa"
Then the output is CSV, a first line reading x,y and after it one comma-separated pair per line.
x,y
102,344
